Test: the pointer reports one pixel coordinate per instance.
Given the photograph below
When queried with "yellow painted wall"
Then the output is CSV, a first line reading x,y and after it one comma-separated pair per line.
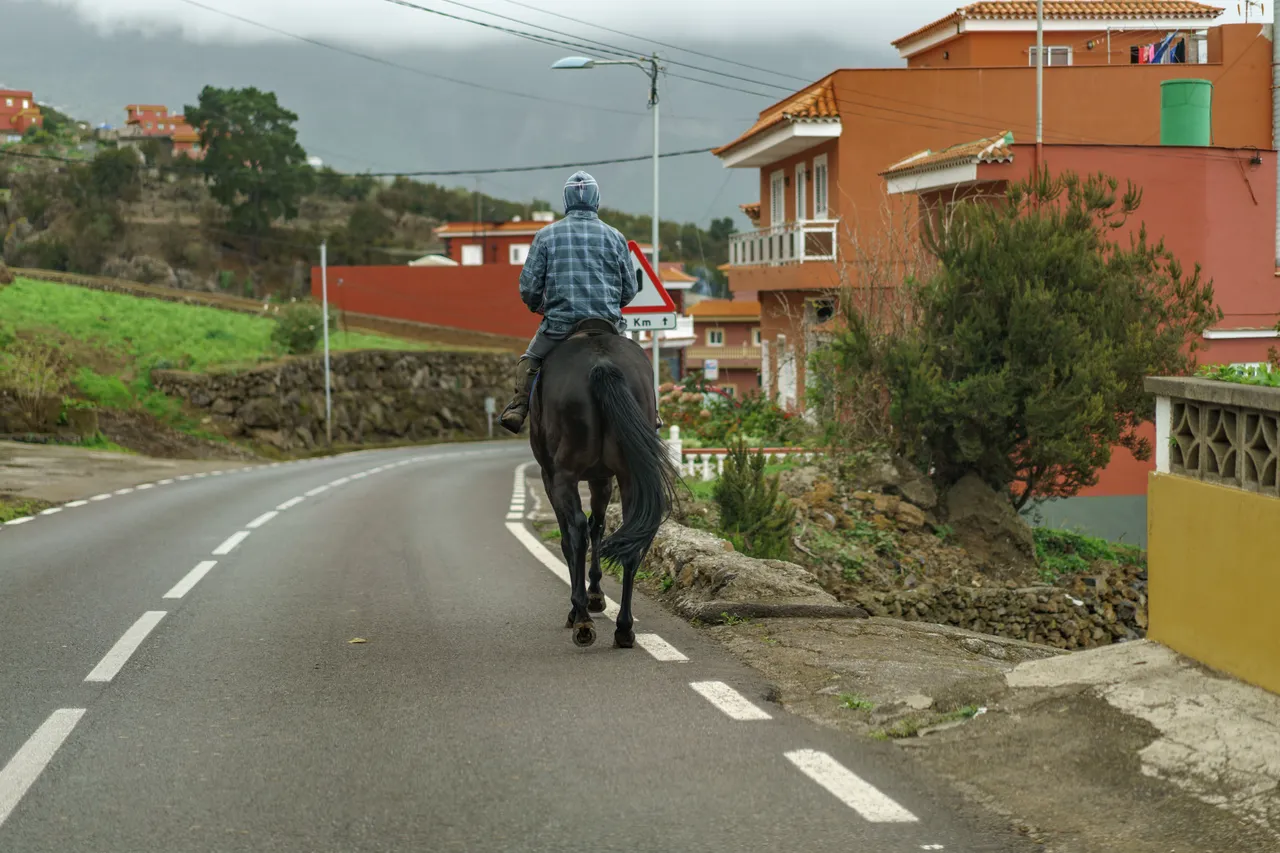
x,y
1214,576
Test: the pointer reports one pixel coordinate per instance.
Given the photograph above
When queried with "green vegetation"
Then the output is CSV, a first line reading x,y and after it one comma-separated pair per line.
x,y
1266,375
1063,552
854,702
708,419
14,507
1031,343
753,516
911,726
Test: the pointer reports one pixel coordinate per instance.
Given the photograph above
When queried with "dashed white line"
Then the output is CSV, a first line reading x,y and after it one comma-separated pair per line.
x,y
262,519
193,577
53,510
164,482
341,481
184,478
514,516
124,648
316,491
856,793
232,541
29,761
14,521
659,648
75,504
290,504
216,473
730,701
100,497
123,491
360,476
145,486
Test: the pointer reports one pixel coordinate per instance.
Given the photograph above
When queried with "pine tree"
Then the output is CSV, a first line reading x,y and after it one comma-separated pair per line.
x,y
757,521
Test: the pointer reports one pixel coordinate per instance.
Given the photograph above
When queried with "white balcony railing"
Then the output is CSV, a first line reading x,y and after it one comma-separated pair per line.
x,y
789,243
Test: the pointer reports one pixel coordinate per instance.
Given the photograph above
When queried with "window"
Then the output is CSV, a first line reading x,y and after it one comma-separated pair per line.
x,y
8,102
777,200
730,390
26,105
715,337
1053,55
519,253
820,187
821,310
472,256
755,337
801,207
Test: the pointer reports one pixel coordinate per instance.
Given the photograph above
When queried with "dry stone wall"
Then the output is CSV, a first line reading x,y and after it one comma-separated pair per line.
x,y
378,397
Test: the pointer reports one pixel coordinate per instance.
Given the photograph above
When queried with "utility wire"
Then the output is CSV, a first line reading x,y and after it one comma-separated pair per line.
x,y
655,41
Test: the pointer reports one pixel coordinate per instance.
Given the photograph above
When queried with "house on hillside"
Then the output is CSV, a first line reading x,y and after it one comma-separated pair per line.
x,y
819,152
1212,205
152,121
19,112
727,351
474,244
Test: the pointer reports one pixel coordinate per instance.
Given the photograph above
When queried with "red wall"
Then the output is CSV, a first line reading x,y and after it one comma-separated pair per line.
x,y
481,299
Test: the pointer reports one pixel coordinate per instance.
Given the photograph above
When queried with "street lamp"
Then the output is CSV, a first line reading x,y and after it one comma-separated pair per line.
x,y
649,66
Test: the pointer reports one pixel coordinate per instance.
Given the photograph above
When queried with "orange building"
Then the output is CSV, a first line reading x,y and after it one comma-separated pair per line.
x,y
18,114
823,201
154,121
476,243
726,348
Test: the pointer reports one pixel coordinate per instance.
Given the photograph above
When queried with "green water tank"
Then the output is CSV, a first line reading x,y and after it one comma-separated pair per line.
x,y
1186,112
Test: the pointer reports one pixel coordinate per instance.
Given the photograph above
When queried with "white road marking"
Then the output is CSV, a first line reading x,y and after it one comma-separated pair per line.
x,y
29,761
317,490
14,521
659,648
728,700
201,475
290,504
932,847
856,793
360,476
100,497
539,551
123,491
341,481
232,541
75,504
262,519
53,510
514,516
193,577
164,483
124,648
216,473
146,486
184,478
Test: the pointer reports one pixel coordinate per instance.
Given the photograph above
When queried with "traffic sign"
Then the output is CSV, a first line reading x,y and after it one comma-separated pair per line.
x,y
652,300
711,369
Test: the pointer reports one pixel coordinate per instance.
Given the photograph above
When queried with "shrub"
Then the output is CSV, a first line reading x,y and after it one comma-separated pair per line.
x,y
300,327
757,521
35,373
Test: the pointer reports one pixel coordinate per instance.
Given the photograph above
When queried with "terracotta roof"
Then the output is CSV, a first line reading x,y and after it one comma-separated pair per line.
x,y
738,309
1089,10
993,149
462,229
817,103
674,271
752,210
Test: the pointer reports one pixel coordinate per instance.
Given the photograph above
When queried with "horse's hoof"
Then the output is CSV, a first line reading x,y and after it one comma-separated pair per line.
x,y
584,634
625,640
595,602
568,623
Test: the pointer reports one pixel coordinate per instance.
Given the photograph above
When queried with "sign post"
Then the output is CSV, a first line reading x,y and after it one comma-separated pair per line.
x,y
490,406
652,309
711,369
324,307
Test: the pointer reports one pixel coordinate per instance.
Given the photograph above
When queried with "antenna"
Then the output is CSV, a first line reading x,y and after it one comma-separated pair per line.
x,y
1249,6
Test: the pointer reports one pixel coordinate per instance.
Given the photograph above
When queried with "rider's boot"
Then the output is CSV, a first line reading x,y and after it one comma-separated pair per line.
x,y
517,410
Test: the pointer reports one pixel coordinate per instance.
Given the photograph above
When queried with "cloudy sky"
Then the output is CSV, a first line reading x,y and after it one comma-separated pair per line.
x,y
404,104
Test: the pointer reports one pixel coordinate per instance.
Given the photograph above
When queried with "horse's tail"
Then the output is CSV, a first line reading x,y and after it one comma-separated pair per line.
x,y
653,477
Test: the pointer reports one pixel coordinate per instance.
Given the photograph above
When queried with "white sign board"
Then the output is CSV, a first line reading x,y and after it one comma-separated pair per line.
x,y
711,369
490,405
652,308
649,322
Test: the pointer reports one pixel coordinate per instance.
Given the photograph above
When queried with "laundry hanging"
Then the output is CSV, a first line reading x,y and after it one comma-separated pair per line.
x,y
1169,50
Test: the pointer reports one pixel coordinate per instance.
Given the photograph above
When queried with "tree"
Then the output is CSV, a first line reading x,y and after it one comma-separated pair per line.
x,y
1030,344
114,175
253,161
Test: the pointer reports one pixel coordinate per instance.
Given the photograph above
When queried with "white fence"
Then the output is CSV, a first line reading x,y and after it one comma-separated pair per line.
x,y
707,463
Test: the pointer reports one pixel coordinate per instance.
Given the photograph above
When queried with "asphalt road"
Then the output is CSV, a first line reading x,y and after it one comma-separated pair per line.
x,y
236,714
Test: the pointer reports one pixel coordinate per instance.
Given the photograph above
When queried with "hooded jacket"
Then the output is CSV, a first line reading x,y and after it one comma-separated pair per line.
x,y
578,268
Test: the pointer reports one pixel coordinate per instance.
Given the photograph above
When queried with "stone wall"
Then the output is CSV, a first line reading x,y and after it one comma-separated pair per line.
x,y
378,397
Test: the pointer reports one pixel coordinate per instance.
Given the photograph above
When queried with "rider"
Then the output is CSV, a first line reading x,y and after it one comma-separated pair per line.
x,y
578,268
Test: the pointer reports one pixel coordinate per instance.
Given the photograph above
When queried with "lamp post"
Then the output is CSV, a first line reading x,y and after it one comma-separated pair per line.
x,y
651,67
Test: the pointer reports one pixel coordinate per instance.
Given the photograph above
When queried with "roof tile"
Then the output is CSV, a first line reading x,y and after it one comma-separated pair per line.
x,y
992,149
745,309
816,103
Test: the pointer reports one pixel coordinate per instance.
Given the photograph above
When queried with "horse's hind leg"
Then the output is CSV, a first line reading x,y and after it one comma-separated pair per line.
x,y
623,636
573,524
601,492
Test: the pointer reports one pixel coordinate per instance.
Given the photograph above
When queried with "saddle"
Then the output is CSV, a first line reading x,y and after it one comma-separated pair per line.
x,y
593,326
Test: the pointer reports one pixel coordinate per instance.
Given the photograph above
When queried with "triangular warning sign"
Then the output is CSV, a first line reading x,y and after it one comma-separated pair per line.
x,y
652,297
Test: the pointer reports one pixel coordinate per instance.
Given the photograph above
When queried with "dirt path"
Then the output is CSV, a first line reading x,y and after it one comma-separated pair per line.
x,y
56,473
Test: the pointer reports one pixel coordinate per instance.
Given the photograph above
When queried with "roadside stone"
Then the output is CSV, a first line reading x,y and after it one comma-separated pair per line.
x,y
987,525
910,515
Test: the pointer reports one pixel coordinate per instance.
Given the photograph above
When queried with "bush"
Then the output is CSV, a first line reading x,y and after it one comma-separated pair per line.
x,y
752,515
300,327
35,373
713,420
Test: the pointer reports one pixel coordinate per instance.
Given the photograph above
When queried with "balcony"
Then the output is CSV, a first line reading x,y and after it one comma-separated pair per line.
x,y
789,243
743,355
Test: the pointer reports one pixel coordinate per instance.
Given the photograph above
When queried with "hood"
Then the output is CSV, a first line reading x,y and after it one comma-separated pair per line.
x,y
581,192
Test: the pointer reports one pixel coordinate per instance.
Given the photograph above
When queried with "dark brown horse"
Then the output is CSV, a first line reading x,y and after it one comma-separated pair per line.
x,y
593,417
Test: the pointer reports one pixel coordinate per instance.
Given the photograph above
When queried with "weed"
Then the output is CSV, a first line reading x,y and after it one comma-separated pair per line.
x,y
16,507
1064,552
731,619
854,702
944,532
667,582
551,534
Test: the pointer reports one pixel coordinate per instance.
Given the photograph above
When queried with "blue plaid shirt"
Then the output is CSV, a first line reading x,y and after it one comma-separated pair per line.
x,y
578,268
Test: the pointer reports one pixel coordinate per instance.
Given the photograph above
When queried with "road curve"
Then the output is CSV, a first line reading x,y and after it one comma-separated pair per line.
x,y
179,673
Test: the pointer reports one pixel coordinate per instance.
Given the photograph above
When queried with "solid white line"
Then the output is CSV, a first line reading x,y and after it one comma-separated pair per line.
x,y
29,761
262,519
360,476
13,521
75,504
120,653
539,551
193,577
232,541
856,793
290,504
317,490
100,497
728,700
53,510
123,491
341,481
659,648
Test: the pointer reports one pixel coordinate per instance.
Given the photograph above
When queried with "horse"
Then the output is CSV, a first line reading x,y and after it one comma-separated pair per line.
x,y
593,417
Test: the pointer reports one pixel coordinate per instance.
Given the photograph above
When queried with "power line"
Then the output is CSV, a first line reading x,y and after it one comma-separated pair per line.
x,y
575,165
655,41
577,45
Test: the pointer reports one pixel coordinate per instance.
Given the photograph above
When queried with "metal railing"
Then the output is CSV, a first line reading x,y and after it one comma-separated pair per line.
x,y
789,243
